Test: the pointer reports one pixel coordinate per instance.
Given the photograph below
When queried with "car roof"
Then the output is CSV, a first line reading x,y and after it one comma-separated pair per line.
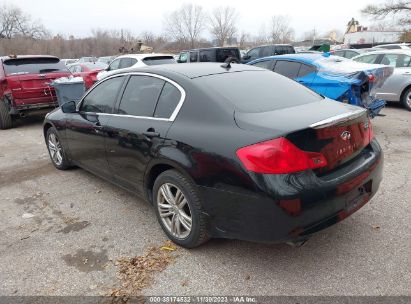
x,y
386,51
309,58
142,56
192,70
212,48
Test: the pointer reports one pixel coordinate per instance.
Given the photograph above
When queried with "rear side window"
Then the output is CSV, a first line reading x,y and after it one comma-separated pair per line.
x,y
168,101
127,62
207,56
396,60
367,58
114,65
33,66
156,60
306,69
350,54
140,96
258,91
287,68
102,98
263,64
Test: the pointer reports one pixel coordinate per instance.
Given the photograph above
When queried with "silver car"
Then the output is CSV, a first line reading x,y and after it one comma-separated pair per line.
x,y
398,86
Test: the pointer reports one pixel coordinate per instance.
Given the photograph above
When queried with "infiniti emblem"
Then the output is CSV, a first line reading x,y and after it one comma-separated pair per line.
x,y
346,135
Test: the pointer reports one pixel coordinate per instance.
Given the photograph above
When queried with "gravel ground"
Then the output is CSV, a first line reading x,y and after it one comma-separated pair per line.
x,y
82,225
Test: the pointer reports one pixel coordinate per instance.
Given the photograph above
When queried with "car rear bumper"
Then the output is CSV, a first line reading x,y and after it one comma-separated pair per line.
x,y
291,207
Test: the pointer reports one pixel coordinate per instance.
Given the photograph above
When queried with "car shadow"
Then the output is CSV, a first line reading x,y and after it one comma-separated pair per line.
x,y
31,120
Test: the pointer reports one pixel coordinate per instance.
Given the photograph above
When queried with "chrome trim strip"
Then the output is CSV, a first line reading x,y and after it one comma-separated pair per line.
x,y
171,118
338,118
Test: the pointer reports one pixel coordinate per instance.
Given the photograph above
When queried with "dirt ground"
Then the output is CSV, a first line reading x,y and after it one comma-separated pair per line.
x,y
71,233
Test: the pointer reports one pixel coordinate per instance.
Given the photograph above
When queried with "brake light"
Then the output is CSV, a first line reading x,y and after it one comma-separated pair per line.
x,y
371,78
279,156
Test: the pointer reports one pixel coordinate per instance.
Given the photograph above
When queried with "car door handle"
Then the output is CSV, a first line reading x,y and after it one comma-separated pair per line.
x,y
151,134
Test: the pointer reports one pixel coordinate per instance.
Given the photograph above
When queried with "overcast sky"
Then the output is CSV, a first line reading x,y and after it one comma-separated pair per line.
x,y
78,17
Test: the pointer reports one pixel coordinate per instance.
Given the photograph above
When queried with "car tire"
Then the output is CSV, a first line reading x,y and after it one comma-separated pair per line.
x,y
181,208
6,121
56,151
406,99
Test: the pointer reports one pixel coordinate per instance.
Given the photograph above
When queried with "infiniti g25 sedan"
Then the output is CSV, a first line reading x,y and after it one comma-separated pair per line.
x,y
222,151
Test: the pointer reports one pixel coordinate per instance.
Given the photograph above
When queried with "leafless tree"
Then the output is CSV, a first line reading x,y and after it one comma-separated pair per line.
x,y
186,24
14,22
280,30
398,8
222,24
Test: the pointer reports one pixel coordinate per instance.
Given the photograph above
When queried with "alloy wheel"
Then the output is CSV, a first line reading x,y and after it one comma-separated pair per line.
x,y
174,210
56,151
408,99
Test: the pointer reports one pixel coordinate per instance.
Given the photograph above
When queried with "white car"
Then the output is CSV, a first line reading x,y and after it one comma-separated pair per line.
x,y
135,60
398,86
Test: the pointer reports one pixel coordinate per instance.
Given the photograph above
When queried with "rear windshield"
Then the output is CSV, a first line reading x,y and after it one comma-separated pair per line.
x,y
259,91
159,60
21,66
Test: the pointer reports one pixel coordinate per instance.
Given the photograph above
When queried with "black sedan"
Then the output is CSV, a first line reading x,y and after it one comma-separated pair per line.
x,y
222,151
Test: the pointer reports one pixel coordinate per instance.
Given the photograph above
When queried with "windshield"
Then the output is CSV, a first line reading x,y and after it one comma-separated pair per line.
x,y
22,66
159,60
260,91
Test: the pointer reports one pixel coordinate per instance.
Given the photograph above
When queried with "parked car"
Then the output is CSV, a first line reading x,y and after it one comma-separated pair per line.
x,y
69,61
267,50
395,46
135,60
88,71
87,59
25,85
222,151
397,88
214,54
350,53
335,77
106,59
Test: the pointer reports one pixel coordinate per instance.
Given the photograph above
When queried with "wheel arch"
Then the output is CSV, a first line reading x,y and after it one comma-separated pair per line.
x,y
155,168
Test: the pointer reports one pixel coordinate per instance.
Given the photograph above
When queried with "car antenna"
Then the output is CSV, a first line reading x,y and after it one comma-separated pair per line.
x,y
226,65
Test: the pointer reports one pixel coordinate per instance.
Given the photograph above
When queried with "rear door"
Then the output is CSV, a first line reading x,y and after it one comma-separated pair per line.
x,y
86,131
401,78
137,131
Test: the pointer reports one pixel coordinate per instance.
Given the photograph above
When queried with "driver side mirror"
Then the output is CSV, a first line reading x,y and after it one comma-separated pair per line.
x,y
69,107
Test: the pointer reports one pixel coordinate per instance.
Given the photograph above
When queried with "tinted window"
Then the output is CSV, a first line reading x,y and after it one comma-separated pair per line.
x,y
156,60
140,96
306,69
102,98
396,60
267,90
263,64
33,66
223,54
367,58
390,47
207,56
280,50
114,65
193,56
287,68
127,62
266,51
168,101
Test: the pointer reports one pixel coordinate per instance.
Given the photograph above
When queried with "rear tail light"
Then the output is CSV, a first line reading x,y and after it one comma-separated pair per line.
x,y
279,156
371,78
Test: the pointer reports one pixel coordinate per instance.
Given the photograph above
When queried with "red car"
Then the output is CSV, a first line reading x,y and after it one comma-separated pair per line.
x,y
87,70
25,85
